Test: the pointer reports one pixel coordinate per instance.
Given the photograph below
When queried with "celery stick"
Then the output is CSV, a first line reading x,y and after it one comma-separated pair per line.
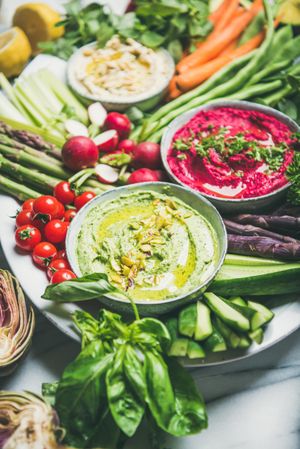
x,y
37,108
42,90
9,110
9,91
64,94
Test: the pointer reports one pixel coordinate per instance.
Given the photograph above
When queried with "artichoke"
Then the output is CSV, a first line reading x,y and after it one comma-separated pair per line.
x,y
16,323
26,422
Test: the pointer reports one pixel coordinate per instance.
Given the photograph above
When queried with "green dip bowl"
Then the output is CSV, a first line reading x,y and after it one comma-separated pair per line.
x,y
185,195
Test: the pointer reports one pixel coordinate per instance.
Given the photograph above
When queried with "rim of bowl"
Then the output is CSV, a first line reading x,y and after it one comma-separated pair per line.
x,y
172,128
76,86
83,211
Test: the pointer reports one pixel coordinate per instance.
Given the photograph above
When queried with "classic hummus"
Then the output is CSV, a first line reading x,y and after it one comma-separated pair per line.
x,y
122,68
151,245
232,153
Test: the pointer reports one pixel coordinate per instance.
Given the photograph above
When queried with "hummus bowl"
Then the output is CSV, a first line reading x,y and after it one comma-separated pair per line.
x,y
160,243
121,75
228,198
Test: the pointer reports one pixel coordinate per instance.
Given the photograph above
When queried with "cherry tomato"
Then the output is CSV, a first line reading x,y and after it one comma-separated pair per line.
x,y
64,193
56,230
70,214
61,254
46,208
62,276
82,199
23,218
27,237
43,254
28,204
55,265
61,211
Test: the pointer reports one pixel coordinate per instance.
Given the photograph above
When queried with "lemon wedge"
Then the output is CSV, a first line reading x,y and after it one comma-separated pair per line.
x,y
289,12
15,50
38,20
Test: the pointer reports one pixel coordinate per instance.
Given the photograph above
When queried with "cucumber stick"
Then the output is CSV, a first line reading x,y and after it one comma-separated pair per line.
x,y
215,342
172,326
262,315
195,350
227,312
203,325
268,279
257,335
187,320
179,347
231,338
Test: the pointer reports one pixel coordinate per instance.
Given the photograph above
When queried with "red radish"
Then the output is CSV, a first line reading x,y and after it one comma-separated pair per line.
x,y
161,175
107,141
97,114
147,154
127,145
80,152
143,175
106,173
75,128
119,122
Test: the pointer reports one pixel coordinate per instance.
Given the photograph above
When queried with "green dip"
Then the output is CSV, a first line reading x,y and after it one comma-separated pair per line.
x,y
152,245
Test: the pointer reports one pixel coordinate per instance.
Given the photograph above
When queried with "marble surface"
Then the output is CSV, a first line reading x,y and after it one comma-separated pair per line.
x,y
253,404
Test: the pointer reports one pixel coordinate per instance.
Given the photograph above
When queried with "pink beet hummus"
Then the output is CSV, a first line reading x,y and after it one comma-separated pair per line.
x,y
232,153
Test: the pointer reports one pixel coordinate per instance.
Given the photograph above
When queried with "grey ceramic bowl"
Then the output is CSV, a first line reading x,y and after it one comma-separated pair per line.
x,y
144,101
196,201
224,205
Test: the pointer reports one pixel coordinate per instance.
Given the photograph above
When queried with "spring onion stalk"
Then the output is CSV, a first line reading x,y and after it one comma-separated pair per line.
x,y
27,422
16,323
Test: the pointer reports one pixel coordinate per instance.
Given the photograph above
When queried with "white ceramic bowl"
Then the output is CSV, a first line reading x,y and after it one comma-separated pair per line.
x,y
259,203
194,200
144,101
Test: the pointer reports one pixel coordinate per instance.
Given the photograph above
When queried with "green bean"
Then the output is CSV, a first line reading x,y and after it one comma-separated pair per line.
x,y
269,70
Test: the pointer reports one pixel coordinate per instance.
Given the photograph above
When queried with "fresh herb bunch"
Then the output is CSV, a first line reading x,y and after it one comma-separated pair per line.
x,y
169,23
122,374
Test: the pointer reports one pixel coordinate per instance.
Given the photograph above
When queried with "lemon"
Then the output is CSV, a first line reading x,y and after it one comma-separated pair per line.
x,y
15,50
38,20
289,12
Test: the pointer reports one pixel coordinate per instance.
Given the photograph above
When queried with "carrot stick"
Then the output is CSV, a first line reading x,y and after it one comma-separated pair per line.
x,y
216,15
227,16
193,78
212,48
229,48
174,92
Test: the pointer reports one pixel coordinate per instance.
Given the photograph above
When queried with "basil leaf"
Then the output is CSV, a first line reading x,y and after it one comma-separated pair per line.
x,y
81,393
88,326
133,370
190,414
152,39
49,392
92,286
154,327
126,408
160,395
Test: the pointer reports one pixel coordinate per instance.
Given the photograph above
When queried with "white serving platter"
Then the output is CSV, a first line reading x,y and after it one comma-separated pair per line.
x,y
34,282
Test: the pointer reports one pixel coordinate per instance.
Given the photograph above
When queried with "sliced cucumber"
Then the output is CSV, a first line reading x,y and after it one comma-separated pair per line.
x,y
187,320
245,342
231,338
215,342
179,347
238,300
257,335
172,326
262,316
227,312
247,311
195,350
203,325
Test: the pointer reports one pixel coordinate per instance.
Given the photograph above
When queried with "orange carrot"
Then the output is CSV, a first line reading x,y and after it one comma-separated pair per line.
x,y
229,48
211,48
193,78
216,15
227,16
174,92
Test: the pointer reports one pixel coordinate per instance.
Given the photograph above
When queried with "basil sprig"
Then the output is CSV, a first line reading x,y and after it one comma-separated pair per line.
x,y
123,374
